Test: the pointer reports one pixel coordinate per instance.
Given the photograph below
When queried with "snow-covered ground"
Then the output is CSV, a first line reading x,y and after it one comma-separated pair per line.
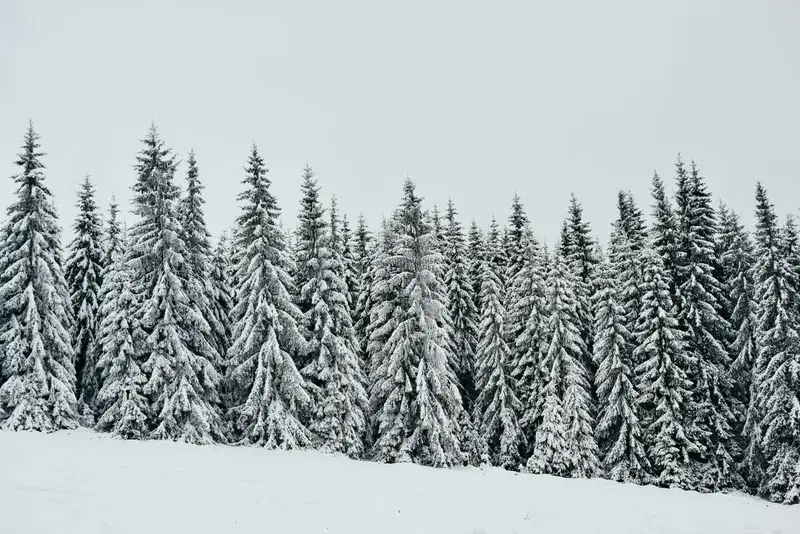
x,y
86,483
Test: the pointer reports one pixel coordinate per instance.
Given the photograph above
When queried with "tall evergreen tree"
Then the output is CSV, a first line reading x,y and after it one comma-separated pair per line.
x,y
664,232
415,401
619,432
268,392
662,383
351,277
182,381
222,299
84,273
475,252
463,311
334,372
197,240
497,407
565,443
579,254
707,333
37,376
530,345
310,223
121,404
363,251
773,418
737,262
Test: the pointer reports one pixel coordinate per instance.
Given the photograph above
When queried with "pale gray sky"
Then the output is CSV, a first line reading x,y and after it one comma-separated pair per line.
x,y
473,100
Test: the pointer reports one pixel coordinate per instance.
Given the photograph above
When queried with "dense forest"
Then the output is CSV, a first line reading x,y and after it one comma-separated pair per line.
x,y
668,356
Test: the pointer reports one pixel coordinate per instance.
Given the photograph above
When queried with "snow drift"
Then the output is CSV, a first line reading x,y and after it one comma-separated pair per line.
x,y
88,483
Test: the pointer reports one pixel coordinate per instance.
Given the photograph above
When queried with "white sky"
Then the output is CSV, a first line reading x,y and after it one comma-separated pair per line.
x,y
472,100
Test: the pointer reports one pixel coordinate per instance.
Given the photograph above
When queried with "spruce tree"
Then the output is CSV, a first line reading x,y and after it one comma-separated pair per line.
x,y
222,299
579,255
737,262
773,418
475,253
37,376
121,404
497,407
662,383
182,381
707,333
363,251
463,311
619,433
84,272
334,371
565,443
414,398
268,393
664,232
351,277
530,345
197,240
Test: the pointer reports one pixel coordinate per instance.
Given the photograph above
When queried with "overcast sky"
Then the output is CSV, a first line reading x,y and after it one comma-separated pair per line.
x,y
473,100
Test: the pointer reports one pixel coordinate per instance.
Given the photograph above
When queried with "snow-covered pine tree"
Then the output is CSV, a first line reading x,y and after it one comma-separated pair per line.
x,y
579,255
737,262
475,253
664,232
335,376
773,417
364,252
84,272
351,278
37,375
661,381
414,398
197,240
222,299
565,443
707,334
121,404
182,381
268,392
619,433
463,311
497,407
530,345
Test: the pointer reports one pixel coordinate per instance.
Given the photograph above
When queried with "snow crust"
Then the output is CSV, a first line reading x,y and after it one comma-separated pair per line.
x,y
88,483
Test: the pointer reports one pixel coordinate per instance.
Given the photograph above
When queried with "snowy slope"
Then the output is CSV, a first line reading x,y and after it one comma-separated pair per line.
x,y
81,482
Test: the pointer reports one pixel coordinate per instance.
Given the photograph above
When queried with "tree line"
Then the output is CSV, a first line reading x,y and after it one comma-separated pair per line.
x,y
670,356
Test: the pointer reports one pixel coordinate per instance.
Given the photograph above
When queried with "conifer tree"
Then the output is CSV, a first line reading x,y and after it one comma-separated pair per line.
x,y
37,376
222,299
565,443
364,254
268,393
737,262
664,389
619,432
83,272
351,278
121,404
414,398
579,255
334,370
664,232
530,345
497,406
773,418
182,381
707,334
475,254
463,311
197,240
